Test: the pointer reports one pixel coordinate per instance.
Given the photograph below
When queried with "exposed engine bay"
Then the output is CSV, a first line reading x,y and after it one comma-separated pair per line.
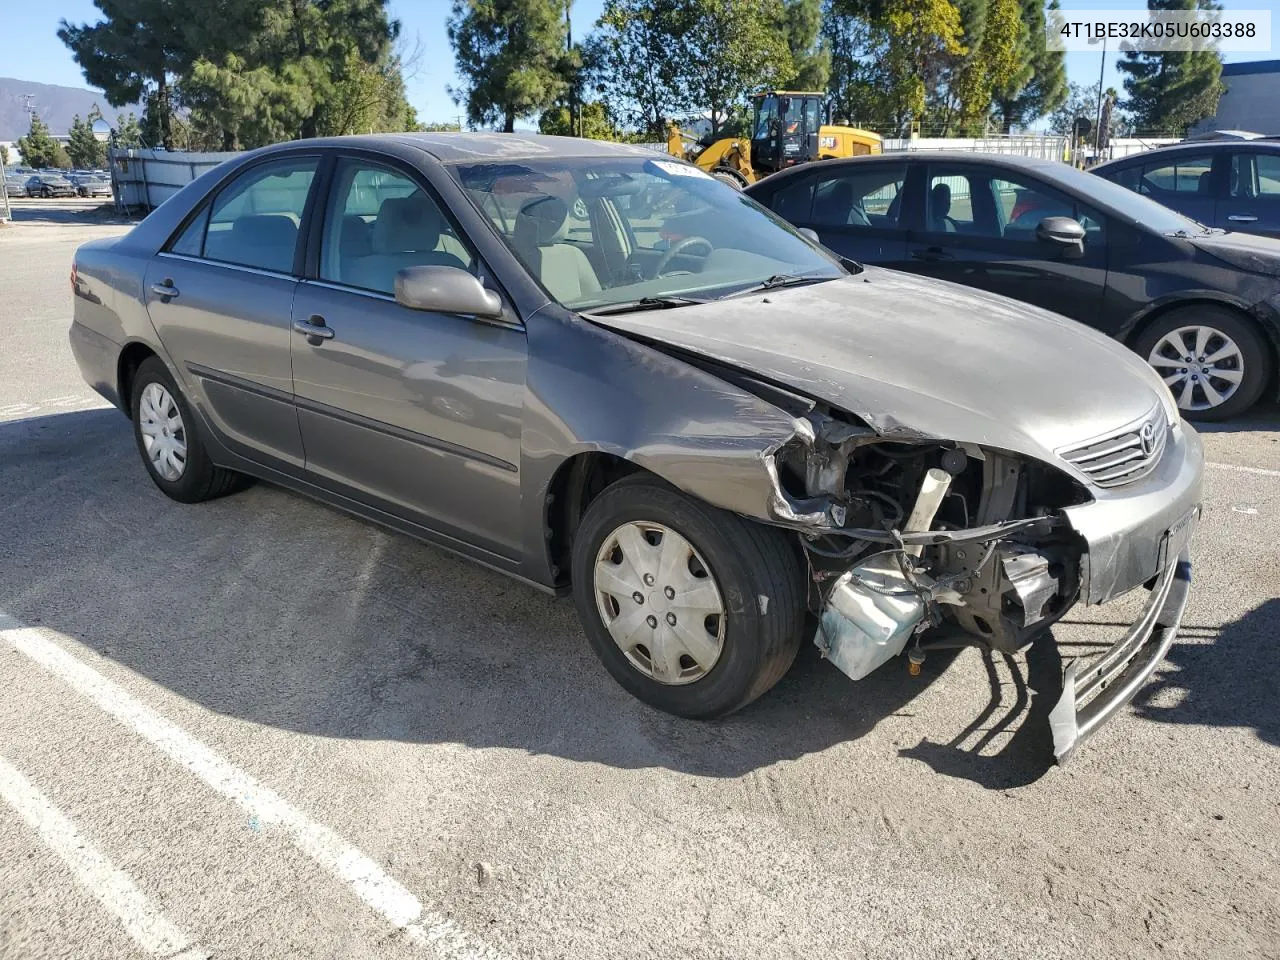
x,y
943,543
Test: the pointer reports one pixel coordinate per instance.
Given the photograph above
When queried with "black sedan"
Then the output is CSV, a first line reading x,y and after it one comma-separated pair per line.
x,y
1202,305
50,185
1233,184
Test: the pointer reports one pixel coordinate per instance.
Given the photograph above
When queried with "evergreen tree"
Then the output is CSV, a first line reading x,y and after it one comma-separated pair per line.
x,y
4,155
632,61
127,133
1041,87
512,57
1168,91
810,58
38,148
84,149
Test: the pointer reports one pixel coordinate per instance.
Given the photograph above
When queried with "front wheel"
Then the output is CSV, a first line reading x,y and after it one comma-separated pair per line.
x,y
1215,361
693,610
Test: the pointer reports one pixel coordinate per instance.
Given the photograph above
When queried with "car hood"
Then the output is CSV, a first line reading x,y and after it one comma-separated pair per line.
x,y
1245,251
917,357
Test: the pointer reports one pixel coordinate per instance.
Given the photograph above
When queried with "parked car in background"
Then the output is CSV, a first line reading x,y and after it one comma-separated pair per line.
x,y
1202,306
48,185
684,412
1231,184
15,186
90,185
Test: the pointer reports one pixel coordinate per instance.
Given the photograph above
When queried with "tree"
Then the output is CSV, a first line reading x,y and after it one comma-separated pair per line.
x,y
594,118
135,52
994,63
83,147
299,68
810,58
1080,102
127,133
729,49
38,148
4,155
1045,88
439,127
633,62
888,56
1170,90
512,57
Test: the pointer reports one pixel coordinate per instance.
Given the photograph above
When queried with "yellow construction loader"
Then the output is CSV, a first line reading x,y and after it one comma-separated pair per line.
x,y
786,128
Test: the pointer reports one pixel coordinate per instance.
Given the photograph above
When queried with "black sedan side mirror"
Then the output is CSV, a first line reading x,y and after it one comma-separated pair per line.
x,y
446,290
1064,233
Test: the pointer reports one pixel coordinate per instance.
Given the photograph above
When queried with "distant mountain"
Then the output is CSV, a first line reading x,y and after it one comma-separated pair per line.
x,y
55,106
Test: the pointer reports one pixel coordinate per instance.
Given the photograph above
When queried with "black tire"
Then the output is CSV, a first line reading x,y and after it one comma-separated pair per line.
x,y
757,569
200,479
729,177
1256,356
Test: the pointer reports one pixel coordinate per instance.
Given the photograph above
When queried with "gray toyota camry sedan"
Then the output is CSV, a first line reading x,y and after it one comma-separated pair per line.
x,y
596,369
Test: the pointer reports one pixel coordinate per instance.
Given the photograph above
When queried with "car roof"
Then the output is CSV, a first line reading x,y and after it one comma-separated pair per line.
x,y
483,147
1009,161
1194,146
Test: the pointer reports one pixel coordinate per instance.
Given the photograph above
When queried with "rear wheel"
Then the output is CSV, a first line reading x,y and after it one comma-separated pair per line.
x,y
1215,361
693,610
169,441
730,177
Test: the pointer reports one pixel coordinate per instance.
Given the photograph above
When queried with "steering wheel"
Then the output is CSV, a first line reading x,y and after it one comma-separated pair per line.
x,y
677,249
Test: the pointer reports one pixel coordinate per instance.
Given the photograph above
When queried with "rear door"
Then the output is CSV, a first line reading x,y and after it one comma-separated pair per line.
x,y
418,412
1186,181
1252,201
979,229
220,295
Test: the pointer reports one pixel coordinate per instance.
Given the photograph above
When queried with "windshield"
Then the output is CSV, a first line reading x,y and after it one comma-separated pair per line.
x,y
597,231
1124,201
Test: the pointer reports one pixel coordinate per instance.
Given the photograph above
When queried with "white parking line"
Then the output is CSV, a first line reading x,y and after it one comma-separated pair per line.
x,y
379,891
114,890
1237,468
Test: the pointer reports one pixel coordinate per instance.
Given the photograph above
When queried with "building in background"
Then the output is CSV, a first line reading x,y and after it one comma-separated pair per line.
x,y
1251,101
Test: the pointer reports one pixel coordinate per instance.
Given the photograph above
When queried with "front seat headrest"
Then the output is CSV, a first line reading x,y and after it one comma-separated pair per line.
x,y
543,220
406,225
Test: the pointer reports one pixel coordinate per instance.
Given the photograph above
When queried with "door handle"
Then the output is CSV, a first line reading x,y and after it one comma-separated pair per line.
x,y
165,290
931,254
314,328
1242,218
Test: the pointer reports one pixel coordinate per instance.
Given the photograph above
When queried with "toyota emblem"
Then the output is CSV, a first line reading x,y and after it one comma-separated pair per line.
x,y
1147,437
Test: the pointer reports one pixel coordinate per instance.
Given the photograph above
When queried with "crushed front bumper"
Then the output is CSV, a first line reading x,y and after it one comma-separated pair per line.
x,y
1091,695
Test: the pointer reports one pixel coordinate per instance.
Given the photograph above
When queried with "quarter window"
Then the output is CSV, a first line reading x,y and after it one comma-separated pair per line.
x,y
380,222
1255,175
254,221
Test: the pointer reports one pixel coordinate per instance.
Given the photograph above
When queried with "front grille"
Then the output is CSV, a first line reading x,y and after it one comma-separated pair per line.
x,y
1123,456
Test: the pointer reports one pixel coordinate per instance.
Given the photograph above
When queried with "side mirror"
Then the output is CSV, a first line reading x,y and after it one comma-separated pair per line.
x,y
1064,233
809,233
446,290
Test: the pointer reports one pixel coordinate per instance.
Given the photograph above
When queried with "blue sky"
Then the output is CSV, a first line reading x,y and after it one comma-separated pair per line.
x,y
41,57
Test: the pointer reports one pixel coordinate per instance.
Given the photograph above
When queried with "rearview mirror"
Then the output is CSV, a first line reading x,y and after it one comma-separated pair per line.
x,y
1064,233
446,290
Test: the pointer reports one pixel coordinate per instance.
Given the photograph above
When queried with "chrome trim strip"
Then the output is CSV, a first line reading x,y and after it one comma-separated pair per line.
x,y
228,266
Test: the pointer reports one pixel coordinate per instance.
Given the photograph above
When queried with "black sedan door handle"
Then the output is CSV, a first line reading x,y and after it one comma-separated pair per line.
x,y
314,329
166,290
931,254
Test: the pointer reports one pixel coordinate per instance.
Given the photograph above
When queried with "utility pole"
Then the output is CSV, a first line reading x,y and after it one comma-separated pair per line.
x,y
575,108
1097,132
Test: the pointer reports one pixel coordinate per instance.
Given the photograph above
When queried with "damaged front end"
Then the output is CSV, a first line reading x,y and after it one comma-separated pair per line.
x,y
929,543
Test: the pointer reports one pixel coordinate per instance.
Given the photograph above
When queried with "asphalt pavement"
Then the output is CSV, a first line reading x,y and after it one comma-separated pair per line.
x,y
260,728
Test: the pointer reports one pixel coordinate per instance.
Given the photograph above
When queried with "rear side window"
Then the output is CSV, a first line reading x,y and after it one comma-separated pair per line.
x,y
1255,175
254,220
1187,174
860,196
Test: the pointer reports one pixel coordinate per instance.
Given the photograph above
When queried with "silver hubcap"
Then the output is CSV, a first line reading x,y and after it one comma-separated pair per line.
x,y
1202,366
659,602
163,435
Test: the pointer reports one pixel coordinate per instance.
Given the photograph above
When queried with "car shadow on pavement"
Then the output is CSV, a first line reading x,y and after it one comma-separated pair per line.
x,y
1231,682
267,607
